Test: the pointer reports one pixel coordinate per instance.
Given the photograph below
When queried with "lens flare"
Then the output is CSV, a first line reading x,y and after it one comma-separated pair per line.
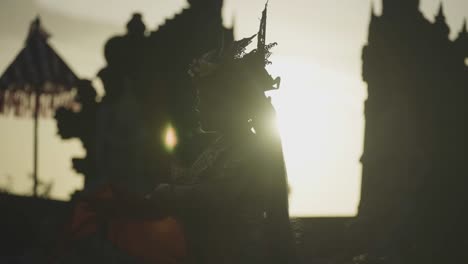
x,y
170,138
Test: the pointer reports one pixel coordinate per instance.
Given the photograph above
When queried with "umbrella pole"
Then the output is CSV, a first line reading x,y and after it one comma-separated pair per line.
x,y
36,120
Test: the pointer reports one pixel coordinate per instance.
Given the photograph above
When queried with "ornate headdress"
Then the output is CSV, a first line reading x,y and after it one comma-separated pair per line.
x,y
236,56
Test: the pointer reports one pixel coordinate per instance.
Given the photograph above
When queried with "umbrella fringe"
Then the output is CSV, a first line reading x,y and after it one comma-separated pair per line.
x,y
21,102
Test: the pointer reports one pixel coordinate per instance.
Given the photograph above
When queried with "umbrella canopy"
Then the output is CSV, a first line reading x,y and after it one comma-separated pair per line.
x,y
36,70
37,82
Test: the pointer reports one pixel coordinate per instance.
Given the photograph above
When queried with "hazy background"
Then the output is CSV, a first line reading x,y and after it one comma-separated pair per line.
x,y
320,105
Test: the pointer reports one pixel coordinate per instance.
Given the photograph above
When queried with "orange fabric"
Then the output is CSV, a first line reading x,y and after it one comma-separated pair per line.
x,y
84,221
159,241
152,241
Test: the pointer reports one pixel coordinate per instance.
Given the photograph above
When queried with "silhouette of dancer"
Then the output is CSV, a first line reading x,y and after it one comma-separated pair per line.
x,y
233,198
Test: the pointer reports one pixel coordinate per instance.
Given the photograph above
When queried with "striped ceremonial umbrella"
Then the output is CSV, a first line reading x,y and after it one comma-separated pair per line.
x,y
36,83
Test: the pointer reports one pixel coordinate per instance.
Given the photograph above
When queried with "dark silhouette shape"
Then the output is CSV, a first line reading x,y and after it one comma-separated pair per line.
x,y
413,199
250,214
29,227
147,87
81,124
147,75
233,199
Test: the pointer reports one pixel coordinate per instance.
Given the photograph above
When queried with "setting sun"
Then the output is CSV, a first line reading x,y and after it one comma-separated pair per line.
x,y
321,129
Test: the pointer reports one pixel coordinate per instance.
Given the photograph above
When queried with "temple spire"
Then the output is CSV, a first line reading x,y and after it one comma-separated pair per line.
x,y
463,35
136,26
440,21
441,14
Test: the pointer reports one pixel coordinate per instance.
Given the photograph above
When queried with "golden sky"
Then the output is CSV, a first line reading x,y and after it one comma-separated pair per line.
x,y
318,57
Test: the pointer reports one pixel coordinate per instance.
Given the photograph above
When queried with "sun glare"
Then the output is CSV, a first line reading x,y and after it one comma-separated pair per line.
x,y
321,124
